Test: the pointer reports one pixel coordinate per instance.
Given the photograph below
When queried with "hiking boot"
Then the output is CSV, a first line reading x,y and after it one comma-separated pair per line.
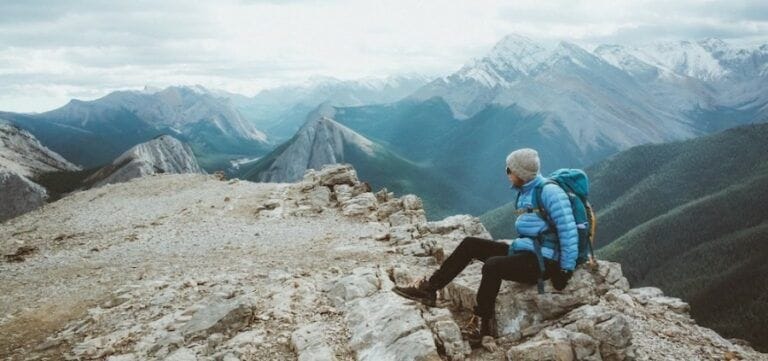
x,y
480,332
420,291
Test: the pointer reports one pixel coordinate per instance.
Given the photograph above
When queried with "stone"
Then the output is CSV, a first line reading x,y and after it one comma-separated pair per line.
x,y
584,347
385,326
520,310
542,350
384,196
674,304
449,335
251,337
319,197
361,283
343,192
388,208
400,235
456,228
361,205
610,328
360,188
309,343
333,174
643,294
182,354
220,317
407,217
412,202
123,357
420,249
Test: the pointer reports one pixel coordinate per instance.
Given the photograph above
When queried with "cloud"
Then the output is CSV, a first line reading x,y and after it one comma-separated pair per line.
x,y
88,48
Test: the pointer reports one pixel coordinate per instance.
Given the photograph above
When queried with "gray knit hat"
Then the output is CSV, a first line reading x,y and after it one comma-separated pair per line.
x,y
524,163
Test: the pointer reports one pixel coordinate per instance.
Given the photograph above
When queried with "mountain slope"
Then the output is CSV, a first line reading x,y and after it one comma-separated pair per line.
x,y
468,153
164,154
282,111
21,152
322,140
711,251
22,159
635,186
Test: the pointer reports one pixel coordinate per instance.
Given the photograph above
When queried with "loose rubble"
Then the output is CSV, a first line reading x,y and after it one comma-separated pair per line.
x,y
243,271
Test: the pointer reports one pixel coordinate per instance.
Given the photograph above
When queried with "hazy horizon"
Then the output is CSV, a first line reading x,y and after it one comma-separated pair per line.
x,y
54,51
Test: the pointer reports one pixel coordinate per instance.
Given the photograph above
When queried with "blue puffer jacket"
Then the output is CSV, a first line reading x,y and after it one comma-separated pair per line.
x,y
556,202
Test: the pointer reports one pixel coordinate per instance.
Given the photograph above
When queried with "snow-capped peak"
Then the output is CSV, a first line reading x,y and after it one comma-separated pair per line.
x,y
684,58
571,52
714,45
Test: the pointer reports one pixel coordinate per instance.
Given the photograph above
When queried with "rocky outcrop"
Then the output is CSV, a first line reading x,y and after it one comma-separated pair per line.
x,y
596,317
162,155
22,158
320,141
18,195
22,153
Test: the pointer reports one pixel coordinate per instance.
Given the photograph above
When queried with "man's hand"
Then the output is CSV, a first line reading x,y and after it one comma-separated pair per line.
x,y
489,344
560,279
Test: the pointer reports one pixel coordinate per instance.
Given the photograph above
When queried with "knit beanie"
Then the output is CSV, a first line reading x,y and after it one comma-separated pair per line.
x,y
524,163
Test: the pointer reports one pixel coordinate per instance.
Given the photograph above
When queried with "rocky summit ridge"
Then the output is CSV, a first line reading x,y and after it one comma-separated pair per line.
x,y
192,267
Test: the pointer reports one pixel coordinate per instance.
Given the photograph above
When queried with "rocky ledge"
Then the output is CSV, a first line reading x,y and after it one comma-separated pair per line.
x,y
321,290
596,317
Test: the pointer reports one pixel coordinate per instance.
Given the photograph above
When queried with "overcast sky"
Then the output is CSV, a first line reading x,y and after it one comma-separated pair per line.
x,y
55,50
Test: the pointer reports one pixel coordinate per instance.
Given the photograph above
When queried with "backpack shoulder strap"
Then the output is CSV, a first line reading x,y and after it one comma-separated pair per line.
x,y
540,207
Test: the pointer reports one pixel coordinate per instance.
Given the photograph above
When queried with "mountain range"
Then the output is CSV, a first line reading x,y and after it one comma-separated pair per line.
x,y
575,106
93,133
281,111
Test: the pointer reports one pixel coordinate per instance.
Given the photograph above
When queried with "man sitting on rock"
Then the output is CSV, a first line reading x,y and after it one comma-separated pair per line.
x,y
516,261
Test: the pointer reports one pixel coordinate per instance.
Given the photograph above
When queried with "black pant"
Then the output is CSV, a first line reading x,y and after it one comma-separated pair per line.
x,y
521,267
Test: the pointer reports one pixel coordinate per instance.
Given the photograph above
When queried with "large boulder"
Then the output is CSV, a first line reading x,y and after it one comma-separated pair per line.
x,y
521,311
333,174
590,333
362,205
382,325
221,316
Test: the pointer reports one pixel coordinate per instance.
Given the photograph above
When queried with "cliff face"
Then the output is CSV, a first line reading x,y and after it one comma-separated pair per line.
x,y
18,194
190,267
22,158
320,141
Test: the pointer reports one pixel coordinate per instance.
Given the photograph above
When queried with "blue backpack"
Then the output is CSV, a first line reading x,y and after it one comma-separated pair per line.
x,y
575,183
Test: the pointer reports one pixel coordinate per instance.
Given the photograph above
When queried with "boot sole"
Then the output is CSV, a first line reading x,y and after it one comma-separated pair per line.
x,y
425,301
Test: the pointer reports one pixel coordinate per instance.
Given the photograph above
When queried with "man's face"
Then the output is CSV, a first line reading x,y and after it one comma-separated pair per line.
x,y
515,180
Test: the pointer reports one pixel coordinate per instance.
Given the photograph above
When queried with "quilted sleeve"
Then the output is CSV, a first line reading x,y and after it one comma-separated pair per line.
x,y
559,208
